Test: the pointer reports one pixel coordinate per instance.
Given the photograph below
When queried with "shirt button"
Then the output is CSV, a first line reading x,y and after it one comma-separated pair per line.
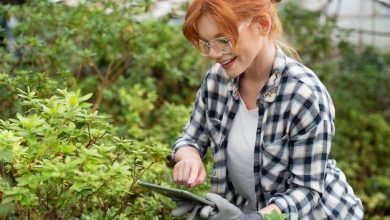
x,y
258,130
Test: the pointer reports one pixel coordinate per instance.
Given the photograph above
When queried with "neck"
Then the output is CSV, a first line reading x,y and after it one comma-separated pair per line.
x,y
261,67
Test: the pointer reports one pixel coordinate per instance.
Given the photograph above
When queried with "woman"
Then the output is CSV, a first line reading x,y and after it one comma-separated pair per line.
x,y
268,119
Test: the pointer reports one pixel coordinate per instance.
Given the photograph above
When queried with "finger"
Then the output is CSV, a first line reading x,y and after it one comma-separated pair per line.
x,y
183,209
186,172
192,216
201,177
205,212
193,176
176,172
179,174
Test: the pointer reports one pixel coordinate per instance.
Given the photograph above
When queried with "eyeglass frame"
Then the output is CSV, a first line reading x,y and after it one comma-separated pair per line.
x,y
209,44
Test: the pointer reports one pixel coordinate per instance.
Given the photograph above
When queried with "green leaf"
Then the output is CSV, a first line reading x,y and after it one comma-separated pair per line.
x,y
274,215
85,97
6,156
8,199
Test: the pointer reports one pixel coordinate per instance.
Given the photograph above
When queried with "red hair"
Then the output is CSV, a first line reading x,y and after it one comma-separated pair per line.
x,y
228,13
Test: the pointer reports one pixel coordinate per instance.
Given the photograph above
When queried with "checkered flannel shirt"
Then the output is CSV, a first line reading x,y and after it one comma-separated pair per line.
x,y
293,140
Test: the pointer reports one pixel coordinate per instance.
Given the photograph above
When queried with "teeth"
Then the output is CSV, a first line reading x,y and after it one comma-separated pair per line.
x,y
226,62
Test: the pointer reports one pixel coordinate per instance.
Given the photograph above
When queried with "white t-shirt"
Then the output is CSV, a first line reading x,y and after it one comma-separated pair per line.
x,y
240,153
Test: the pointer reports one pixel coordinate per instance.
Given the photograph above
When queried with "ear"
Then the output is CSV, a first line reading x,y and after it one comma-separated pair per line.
x,y
264,25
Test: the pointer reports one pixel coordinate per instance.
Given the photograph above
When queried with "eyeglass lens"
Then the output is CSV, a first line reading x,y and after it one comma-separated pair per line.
x,y
220,44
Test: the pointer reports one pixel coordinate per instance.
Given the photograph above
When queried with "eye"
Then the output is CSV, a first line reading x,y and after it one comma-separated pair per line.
x,y
224,40
203,43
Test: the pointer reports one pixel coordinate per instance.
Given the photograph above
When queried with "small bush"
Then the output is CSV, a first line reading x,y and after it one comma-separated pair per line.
x,y
60,160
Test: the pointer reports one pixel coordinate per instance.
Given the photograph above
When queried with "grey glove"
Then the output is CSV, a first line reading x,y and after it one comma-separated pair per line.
x,y
225,210
183,207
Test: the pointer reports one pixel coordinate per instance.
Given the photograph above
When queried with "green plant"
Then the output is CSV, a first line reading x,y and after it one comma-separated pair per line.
x,y
43,83
143,76
101,43
61,161
274,215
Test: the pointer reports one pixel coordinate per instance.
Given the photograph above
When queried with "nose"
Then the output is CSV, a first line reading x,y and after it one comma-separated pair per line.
x,y
214,54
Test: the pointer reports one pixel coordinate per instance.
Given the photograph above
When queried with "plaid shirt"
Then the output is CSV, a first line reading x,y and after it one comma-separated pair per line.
x,y
293,140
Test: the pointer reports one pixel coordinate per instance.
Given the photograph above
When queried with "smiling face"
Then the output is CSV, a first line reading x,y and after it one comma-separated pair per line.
x,y
249,46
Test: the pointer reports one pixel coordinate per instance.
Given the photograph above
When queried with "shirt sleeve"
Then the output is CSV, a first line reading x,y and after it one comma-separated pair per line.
x,y
311,132
195,133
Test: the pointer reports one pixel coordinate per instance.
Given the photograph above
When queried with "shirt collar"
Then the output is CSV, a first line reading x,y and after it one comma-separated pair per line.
x,y
269,91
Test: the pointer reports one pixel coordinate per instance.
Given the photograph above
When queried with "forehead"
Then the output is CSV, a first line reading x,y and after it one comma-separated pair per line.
x,y
207,28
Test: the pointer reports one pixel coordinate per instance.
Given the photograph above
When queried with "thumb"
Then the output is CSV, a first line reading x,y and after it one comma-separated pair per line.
x,y
215,198
206,212
182,209
194,212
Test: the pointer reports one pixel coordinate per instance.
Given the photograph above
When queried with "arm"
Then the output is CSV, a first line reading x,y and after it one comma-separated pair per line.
x,y
192,146
311,132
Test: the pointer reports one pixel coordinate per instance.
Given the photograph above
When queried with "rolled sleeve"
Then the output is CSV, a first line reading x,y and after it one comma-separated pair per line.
x,y
195,134
296,202
188,142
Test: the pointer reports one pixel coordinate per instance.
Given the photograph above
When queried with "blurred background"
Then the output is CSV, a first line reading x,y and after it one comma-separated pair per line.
x,y
131,56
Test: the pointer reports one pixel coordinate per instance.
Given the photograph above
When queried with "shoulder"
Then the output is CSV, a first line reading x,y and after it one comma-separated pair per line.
x,y
306,88
303,76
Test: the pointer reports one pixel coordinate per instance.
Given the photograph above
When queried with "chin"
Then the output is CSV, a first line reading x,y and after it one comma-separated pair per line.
x,y
229,74
232,73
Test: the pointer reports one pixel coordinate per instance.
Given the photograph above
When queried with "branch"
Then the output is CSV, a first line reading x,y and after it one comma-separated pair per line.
x,y
78,76
116,158
97,71
91,142
121,70
124,201
20,60
99,98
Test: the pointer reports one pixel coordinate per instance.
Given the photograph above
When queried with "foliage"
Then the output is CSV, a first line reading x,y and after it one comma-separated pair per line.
x,y
61,161
40,82
274,215
103,48
101,43
143,77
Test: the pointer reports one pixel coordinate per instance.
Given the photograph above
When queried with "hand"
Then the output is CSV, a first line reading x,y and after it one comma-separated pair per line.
x,y
225,210
189,170
183,207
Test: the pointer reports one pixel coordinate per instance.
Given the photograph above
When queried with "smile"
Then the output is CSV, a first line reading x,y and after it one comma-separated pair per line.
x,y
228,63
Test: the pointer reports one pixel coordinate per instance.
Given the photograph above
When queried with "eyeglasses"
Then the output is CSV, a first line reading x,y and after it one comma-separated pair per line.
x,y
220,44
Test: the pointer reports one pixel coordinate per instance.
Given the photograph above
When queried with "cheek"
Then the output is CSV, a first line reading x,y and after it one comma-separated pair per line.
x,y
254,47
248,54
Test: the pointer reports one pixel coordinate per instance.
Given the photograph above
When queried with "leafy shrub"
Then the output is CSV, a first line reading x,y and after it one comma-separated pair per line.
x,y
143,75
61,161
101,43
42,83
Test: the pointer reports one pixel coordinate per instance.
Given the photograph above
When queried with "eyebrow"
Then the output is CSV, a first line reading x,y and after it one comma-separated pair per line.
x,y
214,37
